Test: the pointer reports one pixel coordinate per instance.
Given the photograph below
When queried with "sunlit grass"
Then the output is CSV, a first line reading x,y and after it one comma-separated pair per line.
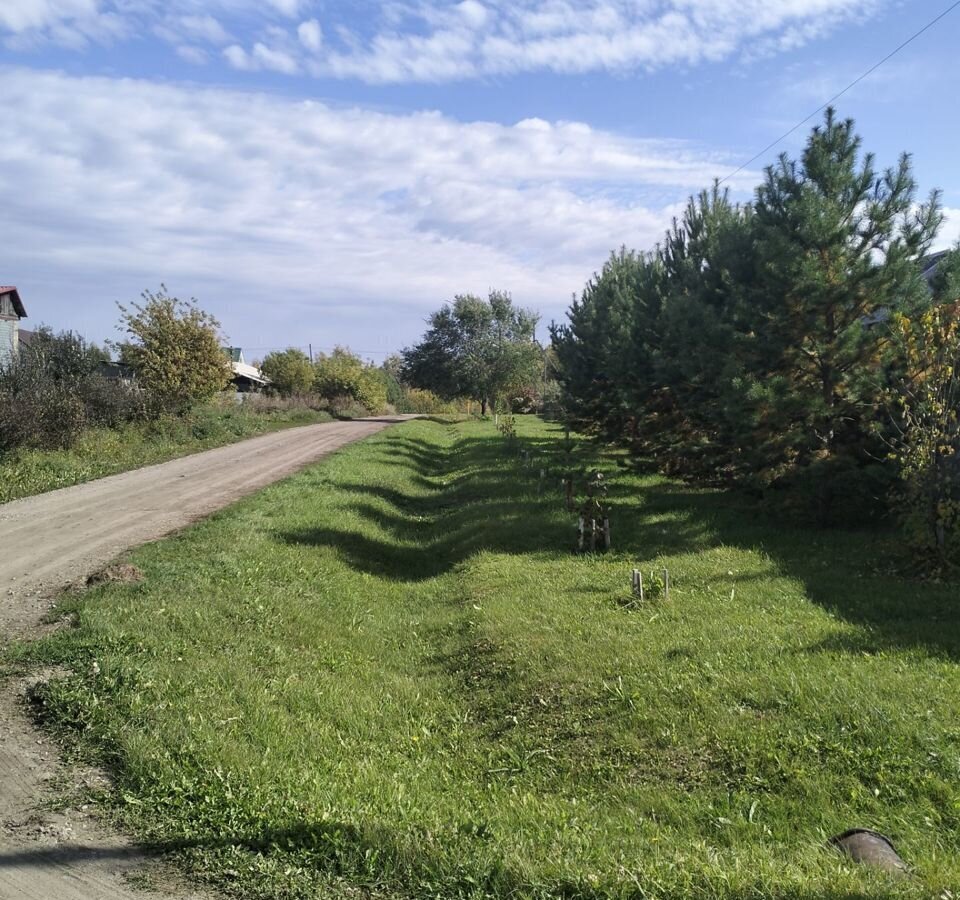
x,y
390,673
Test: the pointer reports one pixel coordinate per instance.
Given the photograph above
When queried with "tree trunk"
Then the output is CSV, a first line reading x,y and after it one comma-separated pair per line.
x,y
483,406
828,435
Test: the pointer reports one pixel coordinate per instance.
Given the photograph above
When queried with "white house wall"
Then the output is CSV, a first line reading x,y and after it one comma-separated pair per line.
x,y
9,330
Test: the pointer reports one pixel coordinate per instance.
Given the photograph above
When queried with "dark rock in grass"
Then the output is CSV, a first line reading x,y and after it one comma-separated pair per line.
x,y
119,574
870,848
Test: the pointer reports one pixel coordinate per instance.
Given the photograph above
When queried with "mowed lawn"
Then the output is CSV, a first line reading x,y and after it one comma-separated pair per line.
x,y
389,675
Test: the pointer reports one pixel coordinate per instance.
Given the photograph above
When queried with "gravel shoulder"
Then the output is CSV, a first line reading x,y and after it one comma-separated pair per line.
x,y
57,539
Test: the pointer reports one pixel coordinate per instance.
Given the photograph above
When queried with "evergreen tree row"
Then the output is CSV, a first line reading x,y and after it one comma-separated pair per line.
x,y
756,343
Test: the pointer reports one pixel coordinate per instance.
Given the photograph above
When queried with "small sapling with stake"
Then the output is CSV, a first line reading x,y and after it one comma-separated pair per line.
x,y
658,585
594,516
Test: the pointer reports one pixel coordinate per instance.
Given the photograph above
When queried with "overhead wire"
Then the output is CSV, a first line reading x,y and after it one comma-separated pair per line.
x,y
839,94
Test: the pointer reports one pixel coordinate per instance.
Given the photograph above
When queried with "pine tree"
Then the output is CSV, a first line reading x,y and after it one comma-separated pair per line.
x,y
708,263
605,350
838,251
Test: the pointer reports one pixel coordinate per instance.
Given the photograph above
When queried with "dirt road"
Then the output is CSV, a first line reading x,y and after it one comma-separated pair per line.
x,y
55,539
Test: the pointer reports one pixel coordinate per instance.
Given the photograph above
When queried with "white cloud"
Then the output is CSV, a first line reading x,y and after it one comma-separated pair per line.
x,y
264,57
474,14
19,16
203,28
441,40
289,8
427,43
193,55
238,57
310,34
235,195
950,233
70,23
273,59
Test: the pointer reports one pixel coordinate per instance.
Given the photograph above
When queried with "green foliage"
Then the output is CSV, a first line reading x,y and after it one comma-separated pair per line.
x,y
290,372
389,677
390,376
925,407
838,244
348,384
417,400
606,349
175,348
749,346
507,426
475,348
99,451
52,391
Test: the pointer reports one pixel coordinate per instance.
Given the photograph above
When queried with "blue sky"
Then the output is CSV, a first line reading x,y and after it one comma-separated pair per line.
x,y
330,172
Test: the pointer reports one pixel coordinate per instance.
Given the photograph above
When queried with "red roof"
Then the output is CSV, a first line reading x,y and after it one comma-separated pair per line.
x,y
17,302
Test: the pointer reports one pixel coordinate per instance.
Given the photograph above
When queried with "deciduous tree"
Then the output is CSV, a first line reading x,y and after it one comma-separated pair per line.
x,y
343,376
290,372
176,350
475,348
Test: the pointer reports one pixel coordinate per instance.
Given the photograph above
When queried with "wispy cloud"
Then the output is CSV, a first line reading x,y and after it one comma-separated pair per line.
x,y
70,23
443,40
237,194
431,41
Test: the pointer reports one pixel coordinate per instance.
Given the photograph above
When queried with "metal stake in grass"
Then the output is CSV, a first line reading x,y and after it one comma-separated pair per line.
x,y
637,584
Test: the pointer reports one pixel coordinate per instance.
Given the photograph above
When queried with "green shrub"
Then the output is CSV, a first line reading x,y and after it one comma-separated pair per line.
x,y
423,402
290,372
345,383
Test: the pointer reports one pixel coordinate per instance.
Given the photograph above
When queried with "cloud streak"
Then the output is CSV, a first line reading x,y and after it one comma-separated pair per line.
x,y
243,195
440,40
436,42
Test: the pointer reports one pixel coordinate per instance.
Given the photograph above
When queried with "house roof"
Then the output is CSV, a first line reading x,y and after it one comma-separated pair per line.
x,y
17,302
242,370
928,265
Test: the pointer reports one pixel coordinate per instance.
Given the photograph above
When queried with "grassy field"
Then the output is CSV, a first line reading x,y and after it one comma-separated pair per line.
x,y
389,676
106,451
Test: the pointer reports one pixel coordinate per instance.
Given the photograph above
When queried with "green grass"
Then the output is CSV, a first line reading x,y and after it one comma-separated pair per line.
x,y
106,451
390,675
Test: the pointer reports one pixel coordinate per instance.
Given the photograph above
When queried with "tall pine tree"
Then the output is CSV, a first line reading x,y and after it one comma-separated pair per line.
x,y
838,252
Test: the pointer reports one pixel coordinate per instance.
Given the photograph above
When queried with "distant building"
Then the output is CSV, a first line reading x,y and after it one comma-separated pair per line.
x,y
930,264
246,379
928,268
11,312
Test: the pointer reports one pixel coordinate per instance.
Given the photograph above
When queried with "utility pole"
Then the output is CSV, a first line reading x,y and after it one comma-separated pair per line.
x,y
311,352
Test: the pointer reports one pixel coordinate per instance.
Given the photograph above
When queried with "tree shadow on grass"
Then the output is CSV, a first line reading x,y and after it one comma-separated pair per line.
x,y
844,571
498,506
371,857
408,550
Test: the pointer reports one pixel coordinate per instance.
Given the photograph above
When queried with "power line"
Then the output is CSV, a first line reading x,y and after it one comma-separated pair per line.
x,y
316,347
837,96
